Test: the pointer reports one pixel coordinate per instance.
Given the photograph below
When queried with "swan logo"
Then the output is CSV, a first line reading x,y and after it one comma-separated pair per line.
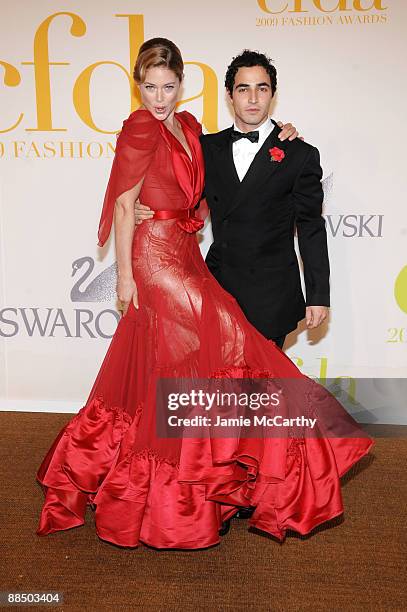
x,y
328,188
100,289
77,323
350,226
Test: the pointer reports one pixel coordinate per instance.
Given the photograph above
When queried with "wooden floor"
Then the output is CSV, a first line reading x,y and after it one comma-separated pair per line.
x,y
356,563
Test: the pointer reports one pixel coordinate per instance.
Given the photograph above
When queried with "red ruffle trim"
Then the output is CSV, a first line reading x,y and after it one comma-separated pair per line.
x,y
141,496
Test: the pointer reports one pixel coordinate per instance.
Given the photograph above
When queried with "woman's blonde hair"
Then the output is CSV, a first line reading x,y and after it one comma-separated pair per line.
x,y
158,52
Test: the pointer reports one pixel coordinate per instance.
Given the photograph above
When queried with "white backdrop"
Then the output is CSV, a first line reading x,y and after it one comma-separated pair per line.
x,y
65,90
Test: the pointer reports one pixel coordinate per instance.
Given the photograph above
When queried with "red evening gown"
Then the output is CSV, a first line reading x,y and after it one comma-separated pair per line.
x,y
175,493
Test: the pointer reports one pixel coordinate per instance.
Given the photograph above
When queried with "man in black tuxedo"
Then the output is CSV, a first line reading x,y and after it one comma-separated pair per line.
x,y
258,189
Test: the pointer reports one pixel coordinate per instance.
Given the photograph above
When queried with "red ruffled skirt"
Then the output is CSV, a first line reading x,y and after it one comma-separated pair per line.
x,y
175,492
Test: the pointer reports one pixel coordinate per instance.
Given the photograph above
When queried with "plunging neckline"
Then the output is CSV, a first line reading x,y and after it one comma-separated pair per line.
x,y
188,154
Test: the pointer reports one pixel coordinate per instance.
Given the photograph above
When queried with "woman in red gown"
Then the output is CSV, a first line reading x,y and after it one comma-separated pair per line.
x,y
179,323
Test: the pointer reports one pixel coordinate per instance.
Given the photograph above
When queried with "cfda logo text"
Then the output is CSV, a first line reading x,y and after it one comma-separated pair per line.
x,y
81,93
276,7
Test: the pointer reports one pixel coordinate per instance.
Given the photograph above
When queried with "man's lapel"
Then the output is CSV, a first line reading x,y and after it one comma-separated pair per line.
x,y
225,165
260,170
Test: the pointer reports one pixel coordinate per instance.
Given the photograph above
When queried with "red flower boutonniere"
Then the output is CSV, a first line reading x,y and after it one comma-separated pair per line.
x,y
276,154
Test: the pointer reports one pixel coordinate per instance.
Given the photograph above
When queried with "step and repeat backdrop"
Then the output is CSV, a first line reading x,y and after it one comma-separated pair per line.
x,y
66,87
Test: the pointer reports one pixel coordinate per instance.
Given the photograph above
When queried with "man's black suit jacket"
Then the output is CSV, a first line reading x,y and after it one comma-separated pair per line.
x,y
253,224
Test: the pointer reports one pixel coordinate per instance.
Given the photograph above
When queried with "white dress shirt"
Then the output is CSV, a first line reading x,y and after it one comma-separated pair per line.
x,y
244,150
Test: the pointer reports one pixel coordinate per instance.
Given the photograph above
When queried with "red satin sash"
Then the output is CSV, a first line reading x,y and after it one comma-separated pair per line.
x,y
187,219
173,214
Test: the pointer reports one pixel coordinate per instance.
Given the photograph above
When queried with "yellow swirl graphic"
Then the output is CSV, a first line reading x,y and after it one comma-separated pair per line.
x,y
400,289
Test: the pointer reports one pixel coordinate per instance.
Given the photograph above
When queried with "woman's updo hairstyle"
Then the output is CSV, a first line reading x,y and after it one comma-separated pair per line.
x,y
158,52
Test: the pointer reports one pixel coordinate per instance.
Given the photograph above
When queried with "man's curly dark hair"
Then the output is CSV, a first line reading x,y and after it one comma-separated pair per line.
x,y
247,59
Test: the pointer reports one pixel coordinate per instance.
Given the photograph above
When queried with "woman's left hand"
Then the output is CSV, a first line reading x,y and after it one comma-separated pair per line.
x,y
288,131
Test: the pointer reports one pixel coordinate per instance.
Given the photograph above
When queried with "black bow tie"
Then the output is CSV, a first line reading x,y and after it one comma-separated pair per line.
x,y
252,136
